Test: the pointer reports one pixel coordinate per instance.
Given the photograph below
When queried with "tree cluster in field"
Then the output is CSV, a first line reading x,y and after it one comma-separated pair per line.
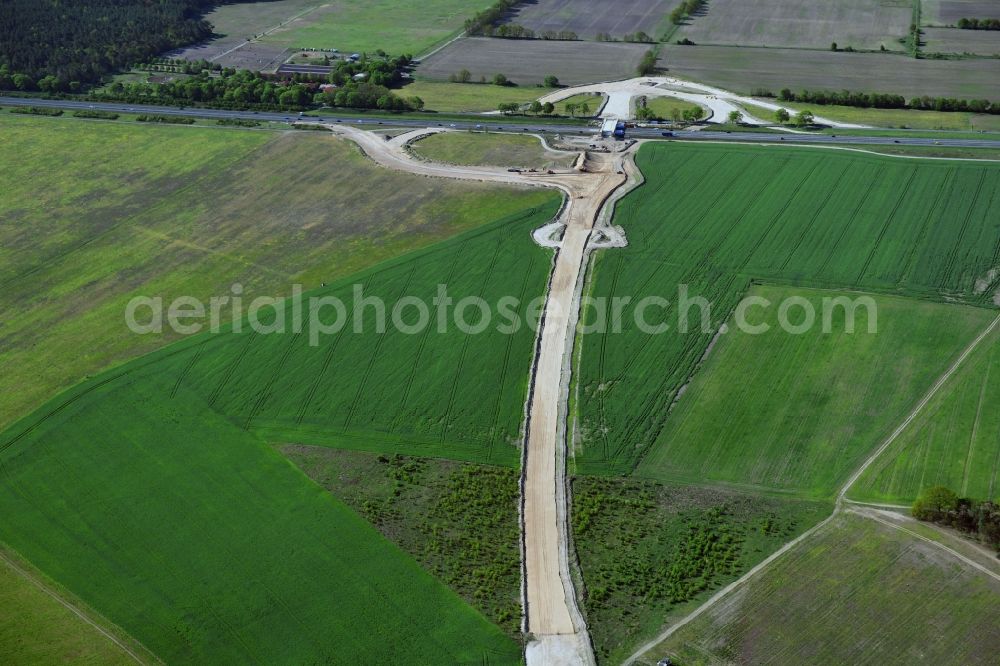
x,y
979,24
684,10
803,118
484,22
690,115
517,31
465,76
55,46
889,101
647,66
977,518
167,120
96,115
36,111
245,89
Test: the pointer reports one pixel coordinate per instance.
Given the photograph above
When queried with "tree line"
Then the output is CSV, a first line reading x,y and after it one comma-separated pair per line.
x,y
361,85
685,10
889,101
979,24
976,518
484,22
56,46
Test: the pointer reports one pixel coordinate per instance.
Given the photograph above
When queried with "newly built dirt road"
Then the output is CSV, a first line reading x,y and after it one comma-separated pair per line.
x,y
558,631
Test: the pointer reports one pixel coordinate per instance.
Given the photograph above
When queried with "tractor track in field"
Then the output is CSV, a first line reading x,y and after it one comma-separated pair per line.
x,y
841,506
48,591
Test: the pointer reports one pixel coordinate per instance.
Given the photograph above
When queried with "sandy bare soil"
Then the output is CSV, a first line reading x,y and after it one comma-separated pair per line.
x,y
719,102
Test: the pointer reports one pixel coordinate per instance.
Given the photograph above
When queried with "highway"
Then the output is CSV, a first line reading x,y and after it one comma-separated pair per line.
x,y
504,124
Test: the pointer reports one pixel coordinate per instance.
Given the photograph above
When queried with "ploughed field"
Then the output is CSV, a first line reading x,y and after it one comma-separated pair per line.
x,y
587,18
717,218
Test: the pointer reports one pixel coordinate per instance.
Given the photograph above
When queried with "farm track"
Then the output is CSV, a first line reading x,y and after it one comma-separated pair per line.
x,y
34,580
551,616
842,505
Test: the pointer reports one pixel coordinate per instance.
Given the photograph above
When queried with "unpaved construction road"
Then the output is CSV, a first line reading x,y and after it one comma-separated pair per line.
x,y
558,631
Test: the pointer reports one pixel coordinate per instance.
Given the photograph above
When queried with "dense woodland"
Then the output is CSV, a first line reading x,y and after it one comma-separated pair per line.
x,y
58,45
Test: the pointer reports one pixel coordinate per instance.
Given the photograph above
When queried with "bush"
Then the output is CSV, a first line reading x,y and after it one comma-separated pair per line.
x,y
97,115
170,120
36,111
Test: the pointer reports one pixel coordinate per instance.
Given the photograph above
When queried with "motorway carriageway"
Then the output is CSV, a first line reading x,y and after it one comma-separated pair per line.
x,y
496,123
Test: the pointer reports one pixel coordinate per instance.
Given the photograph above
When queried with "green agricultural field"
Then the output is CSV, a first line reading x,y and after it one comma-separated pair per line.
x,y
476,148
954,442
198,209
150,491
374,385
459,520
855,593
648,552
990,154
205,544
58,636
716,217
468,97
801,412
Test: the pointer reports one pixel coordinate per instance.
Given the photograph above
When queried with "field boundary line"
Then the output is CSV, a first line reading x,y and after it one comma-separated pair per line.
x,y
951,551
739,582
267,32
941,381
838,509
34,580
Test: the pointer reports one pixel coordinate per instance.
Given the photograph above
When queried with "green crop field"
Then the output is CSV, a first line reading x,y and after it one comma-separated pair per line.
x,y
716,217
855,593
198,209
376,386
201,541
801,412
150,490
477,148
954,442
